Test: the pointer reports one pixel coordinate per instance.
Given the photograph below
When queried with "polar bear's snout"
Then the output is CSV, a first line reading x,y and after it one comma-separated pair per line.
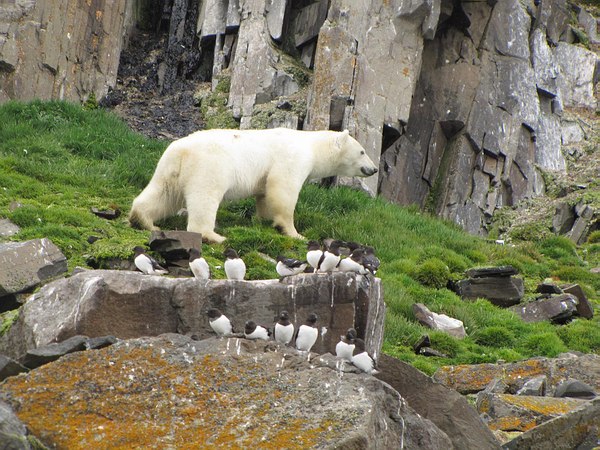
x,y
368,171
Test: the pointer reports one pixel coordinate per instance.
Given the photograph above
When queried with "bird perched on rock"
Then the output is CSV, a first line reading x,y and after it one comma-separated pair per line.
x,y
253,331
219,323
345,348
314,254
146,263
198,264
362,359
235,269
284,329
331,257
354,263
287,267
307,334
370,261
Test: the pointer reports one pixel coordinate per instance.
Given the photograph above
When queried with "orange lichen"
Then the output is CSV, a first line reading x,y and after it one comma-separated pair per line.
x,y
548,406
138,397
511,423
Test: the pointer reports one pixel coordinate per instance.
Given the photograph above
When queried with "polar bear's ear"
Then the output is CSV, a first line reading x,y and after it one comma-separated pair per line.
x,y
342,138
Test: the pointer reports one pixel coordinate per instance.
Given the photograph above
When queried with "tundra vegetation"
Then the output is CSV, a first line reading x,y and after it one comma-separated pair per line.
x,y
59,160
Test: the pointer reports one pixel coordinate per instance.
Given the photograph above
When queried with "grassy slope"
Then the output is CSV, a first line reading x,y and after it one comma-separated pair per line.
x,y
59,160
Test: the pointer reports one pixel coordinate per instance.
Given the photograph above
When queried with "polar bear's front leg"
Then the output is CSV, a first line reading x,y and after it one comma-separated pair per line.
x,y
280,203
202,217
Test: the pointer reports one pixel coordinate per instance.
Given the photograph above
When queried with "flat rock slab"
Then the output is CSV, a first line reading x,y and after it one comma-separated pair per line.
x,y
522,412
27,264
576,429
130,304
51,352
228,393
502,291
484,272
558,309
584,307
469,379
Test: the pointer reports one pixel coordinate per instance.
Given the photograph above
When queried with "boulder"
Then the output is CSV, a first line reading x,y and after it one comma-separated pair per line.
x,y
7,228
563,219
557,309
574,389
9,367
576,429
584,307
216,392
44,354
468,379
13,434
130,304
442,322
534,386
520,412
31,262
503,291
446,408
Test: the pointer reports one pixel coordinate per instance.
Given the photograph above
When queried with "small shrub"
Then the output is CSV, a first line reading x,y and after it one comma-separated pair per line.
x,y
544,344
581,335
433,273
496,336
594,237
445,343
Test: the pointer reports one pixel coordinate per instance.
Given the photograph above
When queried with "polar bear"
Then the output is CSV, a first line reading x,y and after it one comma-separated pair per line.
x,y
203,169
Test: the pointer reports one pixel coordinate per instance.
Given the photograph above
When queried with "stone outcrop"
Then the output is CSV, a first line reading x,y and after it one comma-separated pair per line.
x,y
31,263
446,408
62,50
497,284
577,429
216,392
130,304
557,309
468,379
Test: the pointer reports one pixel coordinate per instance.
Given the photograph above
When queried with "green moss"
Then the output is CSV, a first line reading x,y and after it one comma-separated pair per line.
x,y
495,336
544,344
7,319
433,273
594,237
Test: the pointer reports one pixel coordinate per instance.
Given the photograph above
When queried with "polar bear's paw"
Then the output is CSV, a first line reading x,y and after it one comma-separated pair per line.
x,y
213,237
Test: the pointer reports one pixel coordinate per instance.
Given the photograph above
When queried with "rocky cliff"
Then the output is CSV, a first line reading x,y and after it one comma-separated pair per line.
x,y
461,102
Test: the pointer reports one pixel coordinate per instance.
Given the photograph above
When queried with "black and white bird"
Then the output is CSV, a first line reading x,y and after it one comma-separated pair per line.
x,y
235,269
253,331
362,359
219,323
354,263
307,334
284,329
314,254
331,257
198,264
345,348
286,267
147,264
370,261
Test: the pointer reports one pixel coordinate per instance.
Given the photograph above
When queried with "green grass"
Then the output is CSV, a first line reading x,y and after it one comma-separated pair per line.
x,y
59,160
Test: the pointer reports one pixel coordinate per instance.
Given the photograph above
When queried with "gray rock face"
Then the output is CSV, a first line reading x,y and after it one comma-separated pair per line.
x,y
502,291
584,307
576,429
30,264
557,309
446,408
7,228
59,50
574,389
231,391
9,367
130,304
13,433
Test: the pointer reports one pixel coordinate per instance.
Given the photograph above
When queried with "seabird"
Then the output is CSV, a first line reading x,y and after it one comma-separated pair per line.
x,y
198,264
314,255
331,257
287,267
284,329
353,264
253,331
219,322
235,269
146,263
370,261
307,334
362,359
345,348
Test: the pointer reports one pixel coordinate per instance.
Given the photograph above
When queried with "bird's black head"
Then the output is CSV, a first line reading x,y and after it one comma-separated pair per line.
x,y
351,334
230,253
313,245
284,315
369,250
194,253
250,327
312,319
213,313
137,250
280,258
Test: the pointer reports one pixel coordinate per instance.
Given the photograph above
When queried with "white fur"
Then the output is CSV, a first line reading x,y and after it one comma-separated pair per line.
x,y
203,169
200,269
221,325
307,336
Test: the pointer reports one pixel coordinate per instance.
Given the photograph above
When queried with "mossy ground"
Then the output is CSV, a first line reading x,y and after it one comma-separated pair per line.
x,y
58,160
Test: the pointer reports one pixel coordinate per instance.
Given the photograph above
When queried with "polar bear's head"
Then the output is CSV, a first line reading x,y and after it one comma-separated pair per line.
x,y
354,161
